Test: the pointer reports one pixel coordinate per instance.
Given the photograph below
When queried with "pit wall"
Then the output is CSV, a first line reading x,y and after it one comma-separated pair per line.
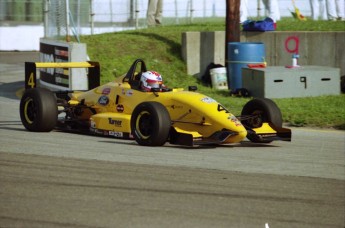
x,y
199,49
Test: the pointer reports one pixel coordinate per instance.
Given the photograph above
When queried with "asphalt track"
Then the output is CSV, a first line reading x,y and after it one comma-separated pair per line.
x,y
61,179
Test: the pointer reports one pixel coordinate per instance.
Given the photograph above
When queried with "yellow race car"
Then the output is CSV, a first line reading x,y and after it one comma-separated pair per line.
x,y
121,109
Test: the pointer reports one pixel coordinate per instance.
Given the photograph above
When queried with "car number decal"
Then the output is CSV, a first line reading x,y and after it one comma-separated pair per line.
x,y
221,108
31,81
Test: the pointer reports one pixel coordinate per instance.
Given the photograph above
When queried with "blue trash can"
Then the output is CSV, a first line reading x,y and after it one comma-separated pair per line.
x,y
240,54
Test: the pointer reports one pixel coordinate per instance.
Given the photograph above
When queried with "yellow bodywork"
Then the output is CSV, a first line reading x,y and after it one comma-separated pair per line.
x,y
190,112
264,129
193,118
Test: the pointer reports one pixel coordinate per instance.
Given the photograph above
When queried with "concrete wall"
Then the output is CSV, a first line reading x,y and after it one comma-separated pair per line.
x,y
191,51
199,49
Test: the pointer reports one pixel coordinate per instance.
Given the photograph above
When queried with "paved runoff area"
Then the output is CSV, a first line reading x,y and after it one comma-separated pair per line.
x,y
60,179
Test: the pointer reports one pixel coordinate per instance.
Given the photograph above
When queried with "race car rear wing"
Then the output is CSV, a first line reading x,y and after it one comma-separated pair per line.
x,y
93,71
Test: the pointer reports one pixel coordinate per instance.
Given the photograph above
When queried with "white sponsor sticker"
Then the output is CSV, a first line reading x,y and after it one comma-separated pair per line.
x,y
207,100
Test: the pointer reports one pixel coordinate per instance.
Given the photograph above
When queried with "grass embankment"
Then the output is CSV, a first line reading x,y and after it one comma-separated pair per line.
x,y
161,50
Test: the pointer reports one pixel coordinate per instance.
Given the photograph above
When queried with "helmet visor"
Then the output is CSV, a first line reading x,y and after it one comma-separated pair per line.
x,y
154,83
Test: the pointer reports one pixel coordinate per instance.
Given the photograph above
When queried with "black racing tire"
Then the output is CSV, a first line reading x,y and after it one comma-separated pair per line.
x,y
257,111
265,110
150,124
38,110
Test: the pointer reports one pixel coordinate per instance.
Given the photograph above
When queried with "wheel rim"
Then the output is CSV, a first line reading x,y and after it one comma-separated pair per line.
x,y
29,111
144,125
257,120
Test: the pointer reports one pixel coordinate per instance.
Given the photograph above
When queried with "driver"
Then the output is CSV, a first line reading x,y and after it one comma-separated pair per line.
x,y
151,80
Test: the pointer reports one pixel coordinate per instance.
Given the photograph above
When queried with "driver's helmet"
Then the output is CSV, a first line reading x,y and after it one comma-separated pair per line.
x,y
151,79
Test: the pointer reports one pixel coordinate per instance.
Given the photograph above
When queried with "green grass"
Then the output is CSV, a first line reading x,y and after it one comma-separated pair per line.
x,y
161,50
290,24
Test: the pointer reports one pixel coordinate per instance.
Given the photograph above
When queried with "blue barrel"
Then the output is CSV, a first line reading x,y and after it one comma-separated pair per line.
x,y
240,54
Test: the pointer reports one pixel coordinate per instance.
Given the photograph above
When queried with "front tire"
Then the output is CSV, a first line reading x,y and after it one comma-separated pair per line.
x,y
256,112
38,110
150,124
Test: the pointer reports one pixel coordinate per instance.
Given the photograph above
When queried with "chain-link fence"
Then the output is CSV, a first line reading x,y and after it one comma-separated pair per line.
x,y
21,10
97,16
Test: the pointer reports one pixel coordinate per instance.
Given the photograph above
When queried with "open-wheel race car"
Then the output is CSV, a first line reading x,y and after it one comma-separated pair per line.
x,y
121,109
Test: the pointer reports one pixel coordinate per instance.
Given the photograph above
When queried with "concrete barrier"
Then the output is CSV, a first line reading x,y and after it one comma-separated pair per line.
x,y
314,48
212,50
191,42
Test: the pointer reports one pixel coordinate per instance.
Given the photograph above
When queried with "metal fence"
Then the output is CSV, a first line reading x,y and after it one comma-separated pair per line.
x,y
97,16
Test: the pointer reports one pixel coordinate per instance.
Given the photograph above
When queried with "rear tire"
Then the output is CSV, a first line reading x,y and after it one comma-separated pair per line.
x,y
38,110
150,124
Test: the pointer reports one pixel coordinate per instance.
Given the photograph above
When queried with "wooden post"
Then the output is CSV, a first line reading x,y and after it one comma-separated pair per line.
x,y
232,26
